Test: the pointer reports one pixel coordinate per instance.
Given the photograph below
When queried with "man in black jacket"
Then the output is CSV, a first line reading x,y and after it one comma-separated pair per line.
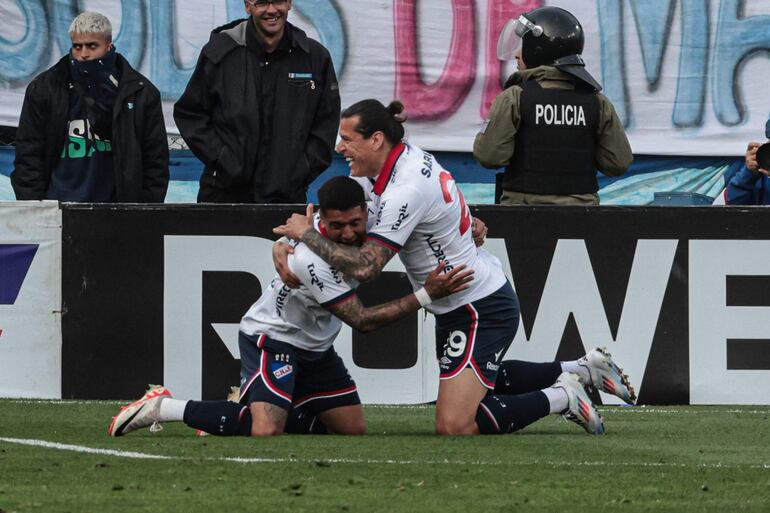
x,y
91,127
261,109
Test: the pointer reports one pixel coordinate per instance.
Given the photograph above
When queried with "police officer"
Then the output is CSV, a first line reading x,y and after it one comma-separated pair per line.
x,y
550,127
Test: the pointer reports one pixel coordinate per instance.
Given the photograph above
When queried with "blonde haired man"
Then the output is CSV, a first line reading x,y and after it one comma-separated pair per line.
x,y
91,127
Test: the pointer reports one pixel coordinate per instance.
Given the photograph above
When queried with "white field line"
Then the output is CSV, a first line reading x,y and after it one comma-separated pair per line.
x,y
83,449
141,455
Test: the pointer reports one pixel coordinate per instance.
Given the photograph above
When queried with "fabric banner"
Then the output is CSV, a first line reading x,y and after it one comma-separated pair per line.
x,y
30,300
686,77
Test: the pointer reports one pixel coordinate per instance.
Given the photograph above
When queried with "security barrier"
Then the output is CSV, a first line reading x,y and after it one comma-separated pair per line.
x,y
679,295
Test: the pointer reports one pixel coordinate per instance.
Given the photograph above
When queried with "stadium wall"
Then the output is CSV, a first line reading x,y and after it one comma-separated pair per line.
x,y
155,293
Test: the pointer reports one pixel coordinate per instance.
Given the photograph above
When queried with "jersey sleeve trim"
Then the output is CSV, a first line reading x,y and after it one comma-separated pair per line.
x,y
384,242
350,294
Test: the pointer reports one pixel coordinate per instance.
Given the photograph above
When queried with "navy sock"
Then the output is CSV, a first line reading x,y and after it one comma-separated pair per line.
x,y
223,418
500,414
518,377
302,423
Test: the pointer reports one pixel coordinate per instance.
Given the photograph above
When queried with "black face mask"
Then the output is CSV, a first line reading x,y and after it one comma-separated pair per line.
x,y
94,73
97,81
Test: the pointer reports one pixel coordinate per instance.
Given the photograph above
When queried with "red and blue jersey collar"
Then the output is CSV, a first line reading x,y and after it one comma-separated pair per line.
x,y
387,169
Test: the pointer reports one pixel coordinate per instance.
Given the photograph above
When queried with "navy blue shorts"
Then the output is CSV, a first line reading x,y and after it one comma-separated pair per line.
x,y
278,373
477,335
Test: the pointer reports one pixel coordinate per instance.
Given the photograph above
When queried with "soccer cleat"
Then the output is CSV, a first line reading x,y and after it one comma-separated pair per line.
x,y
606,376
580,409
141,413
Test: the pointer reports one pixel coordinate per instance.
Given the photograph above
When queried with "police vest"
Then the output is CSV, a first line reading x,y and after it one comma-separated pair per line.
x,y
555,142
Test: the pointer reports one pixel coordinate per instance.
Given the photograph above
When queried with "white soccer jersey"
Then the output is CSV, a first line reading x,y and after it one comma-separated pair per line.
x,y
421,214
299,316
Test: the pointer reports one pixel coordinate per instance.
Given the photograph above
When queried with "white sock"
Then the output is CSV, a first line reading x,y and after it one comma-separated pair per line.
x,y
172,410
557,398
574,367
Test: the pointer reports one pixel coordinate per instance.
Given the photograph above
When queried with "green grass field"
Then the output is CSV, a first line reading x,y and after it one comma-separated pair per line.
x,y
56,457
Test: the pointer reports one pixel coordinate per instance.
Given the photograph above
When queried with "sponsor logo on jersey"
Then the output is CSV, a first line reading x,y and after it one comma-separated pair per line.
x,y
280,300
314,279
438,252
570,115
282,372
402,215
379,212
491,366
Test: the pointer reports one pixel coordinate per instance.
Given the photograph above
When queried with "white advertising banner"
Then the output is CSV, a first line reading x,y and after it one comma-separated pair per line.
x,y
187,257
716,324
687,78
30,300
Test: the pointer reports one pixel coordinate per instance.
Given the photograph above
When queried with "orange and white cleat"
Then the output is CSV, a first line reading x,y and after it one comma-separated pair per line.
x,y
606,376
139,414
580,409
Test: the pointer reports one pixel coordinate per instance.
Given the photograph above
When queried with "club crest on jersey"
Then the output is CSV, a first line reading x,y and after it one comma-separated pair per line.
x,y
282,371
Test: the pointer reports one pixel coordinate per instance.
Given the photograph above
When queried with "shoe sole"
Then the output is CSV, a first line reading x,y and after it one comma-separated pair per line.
x,y
608,384
119,430
584,406
153,392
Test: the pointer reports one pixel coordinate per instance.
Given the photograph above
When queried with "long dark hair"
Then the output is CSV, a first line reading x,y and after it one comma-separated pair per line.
x,y
373,116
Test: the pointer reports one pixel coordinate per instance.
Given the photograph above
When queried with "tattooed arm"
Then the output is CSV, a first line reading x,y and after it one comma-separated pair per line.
x,y
437,285
363,264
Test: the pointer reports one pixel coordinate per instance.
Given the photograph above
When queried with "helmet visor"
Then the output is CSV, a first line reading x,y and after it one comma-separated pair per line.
x,y
511,36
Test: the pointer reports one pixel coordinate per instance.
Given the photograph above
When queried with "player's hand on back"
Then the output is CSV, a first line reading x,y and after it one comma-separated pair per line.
x,y
479,231
281,252
297,225
441,284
